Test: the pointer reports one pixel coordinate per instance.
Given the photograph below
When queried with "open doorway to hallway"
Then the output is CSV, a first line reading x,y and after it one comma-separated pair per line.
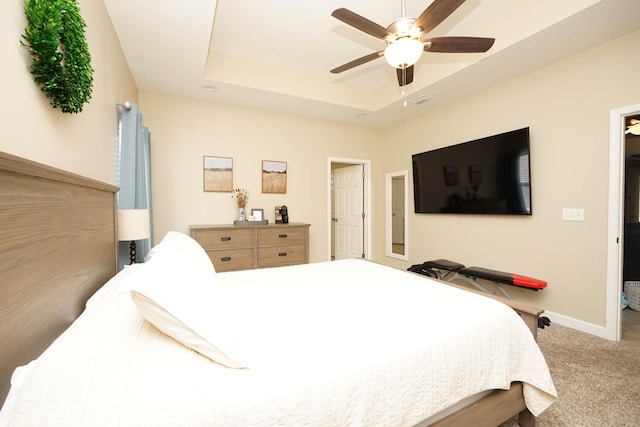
x,y
349,206
623,204
631,230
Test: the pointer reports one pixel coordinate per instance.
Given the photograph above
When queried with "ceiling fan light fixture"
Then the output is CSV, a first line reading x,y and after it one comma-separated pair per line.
x,y
634,127
403,52
634,130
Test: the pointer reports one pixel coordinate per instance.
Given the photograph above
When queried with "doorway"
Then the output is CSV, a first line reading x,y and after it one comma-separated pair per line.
x,y
349,207
631,249
616,208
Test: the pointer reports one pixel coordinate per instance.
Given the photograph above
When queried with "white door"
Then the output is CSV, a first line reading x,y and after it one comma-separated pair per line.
x,y
349,211
397,210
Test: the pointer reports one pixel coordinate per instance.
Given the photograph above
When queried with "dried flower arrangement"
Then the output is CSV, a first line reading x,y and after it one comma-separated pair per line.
x,y
242,196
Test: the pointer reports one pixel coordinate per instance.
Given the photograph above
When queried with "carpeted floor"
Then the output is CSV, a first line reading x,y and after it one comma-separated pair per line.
x,y
598,381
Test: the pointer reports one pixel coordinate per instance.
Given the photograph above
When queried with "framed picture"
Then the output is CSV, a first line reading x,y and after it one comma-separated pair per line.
x,y
274,177
257,214
218,174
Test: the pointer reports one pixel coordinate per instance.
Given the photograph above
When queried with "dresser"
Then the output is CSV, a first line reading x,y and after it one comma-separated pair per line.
x,y
253,246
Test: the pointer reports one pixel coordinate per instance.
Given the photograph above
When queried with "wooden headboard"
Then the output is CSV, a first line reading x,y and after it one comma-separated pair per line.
x,y
57,246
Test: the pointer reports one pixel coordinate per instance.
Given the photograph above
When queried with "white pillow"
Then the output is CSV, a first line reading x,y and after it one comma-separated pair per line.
x,y
116,282
177,248
176,244
184,300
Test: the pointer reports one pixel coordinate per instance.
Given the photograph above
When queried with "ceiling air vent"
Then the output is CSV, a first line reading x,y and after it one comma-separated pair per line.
x,y
420,100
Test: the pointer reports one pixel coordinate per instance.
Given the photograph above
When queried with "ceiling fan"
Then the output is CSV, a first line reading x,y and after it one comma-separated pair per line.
x,y
634,127
404,38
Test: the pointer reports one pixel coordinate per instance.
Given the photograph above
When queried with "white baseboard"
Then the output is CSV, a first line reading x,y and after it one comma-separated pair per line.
x,y
580,325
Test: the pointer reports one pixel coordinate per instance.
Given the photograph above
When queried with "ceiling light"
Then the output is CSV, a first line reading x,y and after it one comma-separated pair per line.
x,y
634,130
210,88
403,52
634,127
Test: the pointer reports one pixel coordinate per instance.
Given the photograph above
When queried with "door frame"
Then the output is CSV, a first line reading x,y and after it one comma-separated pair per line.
x,y
366,204
615,235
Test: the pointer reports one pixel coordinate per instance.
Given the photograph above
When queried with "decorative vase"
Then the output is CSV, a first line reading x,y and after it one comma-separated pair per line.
x,y
241,214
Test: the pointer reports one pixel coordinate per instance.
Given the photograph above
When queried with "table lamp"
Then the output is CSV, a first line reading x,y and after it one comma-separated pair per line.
x,y
133,224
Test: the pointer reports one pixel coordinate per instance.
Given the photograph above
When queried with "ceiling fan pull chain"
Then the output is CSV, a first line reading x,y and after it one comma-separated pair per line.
x,y
403,86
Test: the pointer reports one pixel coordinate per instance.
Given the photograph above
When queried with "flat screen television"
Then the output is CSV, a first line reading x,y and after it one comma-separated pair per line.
x,y
489,175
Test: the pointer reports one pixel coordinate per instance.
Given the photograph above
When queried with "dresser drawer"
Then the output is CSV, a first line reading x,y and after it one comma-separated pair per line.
x,y
282,255
232,259
244,247
224,238
281,236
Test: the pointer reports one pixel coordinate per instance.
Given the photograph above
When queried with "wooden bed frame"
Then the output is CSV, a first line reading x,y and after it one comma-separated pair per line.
x,y
500,405
58,246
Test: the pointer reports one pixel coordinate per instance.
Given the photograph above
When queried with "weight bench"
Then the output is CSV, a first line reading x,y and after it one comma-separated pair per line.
x,y
441,269
449,271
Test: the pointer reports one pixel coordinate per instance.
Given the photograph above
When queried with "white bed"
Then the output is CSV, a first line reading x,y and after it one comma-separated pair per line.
x,y
345,343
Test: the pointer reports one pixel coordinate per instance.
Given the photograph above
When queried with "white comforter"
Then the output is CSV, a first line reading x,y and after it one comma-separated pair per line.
x,y
346,343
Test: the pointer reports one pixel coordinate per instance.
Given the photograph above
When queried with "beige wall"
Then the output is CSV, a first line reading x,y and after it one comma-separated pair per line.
x,y
183,131
566,105
82,143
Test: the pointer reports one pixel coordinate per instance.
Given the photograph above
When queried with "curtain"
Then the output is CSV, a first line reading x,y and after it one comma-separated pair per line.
x,y
133,174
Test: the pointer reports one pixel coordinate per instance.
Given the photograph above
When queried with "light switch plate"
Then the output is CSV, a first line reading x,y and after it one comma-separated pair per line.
x,y
572,214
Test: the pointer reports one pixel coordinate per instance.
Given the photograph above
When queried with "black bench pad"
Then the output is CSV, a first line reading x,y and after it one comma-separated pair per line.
x,y
503,277
443,264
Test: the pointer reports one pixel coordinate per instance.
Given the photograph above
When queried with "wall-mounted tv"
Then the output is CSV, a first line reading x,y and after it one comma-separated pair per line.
x,y
490,175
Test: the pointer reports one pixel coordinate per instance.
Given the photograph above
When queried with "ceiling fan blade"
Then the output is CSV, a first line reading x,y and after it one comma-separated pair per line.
x,y
356,62
361,23
437,12
405,75
458,44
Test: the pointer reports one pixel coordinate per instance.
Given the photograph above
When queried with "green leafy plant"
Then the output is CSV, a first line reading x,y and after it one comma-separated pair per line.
x,y
61,65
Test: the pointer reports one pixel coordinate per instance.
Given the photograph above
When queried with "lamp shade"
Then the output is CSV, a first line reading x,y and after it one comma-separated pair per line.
x,y
404,52
133,224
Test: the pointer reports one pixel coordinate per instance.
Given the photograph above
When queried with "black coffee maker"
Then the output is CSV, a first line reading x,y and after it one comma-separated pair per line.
x,y
282,215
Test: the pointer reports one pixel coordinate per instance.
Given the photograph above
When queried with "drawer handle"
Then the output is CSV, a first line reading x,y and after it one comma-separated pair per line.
x,y
225,239
282,236
282,254
225,258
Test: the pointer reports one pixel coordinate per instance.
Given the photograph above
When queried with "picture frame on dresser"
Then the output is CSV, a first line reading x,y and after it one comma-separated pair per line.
x,y
274,177
217,174
257,214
